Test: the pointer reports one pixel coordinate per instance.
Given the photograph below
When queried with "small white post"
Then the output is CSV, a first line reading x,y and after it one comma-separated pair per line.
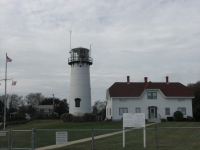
x,y
144,136
123,137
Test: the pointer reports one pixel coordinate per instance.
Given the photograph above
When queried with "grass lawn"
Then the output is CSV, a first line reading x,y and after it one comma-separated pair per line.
x,y
46,130
173,139
59,124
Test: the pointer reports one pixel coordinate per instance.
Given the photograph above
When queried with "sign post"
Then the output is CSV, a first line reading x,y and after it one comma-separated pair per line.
x,y
144,136
136,120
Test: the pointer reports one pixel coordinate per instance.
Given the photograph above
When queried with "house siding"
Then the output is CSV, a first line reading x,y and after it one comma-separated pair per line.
x,y
109,106
143,103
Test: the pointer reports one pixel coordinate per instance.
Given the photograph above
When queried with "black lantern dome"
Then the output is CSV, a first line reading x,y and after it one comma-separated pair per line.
x,y
80,55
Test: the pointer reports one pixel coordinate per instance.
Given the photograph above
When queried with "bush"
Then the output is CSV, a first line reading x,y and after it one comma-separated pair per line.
x,y
178,116
88,117
78,119
66,117
192,119
163,120
170,118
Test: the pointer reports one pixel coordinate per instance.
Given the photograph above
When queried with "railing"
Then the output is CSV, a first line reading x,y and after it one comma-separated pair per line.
x,y
79,59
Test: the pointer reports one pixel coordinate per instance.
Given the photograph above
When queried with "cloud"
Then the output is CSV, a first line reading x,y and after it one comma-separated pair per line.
x,y
135,38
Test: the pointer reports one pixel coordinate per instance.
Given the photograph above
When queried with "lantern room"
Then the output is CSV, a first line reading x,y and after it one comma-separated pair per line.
x,y
80,55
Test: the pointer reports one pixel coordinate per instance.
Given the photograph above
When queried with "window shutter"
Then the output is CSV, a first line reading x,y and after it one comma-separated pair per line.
x,y
149,111
156,112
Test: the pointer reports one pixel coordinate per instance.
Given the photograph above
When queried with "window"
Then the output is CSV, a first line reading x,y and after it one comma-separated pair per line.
x,y
123,99
151,95
77,102
167,111
181,99
182,109
46,110
137,110
123,110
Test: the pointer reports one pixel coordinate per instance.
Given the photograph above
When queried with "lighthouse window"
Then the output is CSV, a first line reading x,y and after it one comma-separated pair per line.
x,y
77,102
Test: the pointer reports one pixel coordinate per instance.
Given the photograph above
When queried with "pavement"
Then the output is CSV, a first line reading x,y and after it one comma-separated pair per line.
x,y
82,140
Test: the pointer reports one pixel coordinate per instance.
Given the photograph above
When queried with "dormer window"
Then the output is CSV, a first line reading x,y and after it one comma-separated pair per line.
x,y
77,102
151,95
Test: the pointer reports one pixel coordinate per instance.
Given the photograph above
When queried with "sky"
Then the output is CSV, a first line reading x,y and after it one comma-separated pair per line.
x,y
136,38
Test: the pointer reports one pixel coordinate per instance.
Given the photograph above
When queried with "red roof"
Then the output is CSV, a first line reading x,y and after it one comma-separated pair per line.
x,y
135,89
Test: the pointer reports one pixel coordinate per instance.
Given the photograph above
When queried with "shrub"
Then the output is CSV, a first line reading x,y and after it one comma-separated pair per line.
x,y
163,120
88,117
192,119
170,118
93,117
178,116
78,119
66,117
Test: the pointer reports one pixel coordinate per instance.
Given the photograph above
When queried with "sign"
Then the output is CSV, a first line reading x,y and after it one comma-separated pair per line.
x,y
128,120
139,120
61,137
133,120
2,133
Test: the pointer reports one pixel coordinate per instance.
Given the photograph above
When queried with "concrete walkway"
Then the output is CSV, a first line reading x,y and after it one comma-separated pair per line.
x,y
83,140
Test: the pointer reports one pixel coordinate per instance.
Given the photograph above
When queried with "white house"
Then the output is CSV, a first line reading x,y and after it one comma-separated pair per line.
x,y
46,110
156,99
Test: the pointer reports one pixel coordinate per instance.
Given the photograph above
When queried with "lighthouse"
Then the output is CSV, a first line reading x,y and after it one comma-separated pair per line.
x,y
80,90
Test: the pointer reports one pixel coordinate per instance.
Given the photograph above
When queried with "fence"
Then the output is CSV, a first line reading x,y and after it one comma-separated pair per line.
x,y
177,138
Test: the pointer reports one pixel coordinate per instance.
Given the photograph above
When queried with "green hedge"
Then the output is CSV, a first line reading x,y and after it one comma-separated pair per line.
x,y
87,117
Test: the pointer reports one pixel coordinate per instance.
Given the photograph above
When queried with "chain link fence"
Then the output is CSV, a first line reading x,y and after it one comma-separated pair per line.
x,y
173,138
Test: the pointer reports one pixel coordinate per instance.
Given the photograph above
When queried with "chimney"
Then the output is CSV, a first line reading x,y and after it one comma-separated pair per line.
x,y
167,79
145,79
128,79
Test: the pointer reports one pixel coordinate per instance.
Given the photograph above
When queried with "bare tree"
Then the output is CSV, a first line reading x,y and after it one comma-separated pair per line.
x,y
34,98
15,101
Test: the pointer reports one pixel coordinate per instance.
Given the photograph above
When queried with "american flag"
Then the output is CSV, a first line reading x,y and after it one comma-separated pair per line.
x,y
8,59
14,82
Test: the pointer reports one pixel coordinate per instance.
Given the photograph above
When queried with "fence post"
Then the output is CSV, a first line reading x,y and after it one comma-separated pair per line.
x,y
10,140
123,137
156,138
33,139
92,139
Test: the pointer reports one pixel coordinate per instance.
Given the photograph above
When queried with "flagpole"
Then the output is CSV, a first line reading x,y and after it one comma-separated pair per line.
x,y
5,104
70,39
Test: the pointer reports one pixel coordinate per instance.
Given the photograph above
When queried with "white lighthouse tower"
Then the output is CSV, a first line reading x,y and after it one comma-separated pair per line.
x,y
80,91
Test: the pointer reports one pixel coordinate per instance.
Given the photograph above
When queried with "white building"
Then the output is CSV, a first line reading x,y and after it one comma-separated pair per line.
x,y
45,110
80,91
156,99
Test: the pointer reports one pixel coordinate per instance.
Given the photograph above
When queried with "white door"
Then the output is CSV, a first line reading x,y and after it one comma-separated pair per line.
x,y
152,112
